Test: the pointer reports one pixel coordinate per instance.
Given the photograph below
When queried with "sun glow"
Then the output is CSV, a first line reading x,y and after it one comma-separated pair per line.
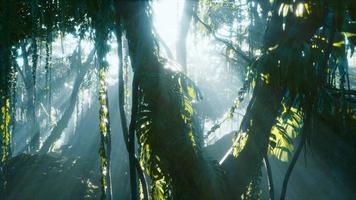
x,y
166,17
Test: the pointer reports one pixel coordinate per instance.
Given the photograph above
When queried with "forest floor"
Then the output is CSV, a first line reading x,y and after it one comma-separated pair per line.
x,y
327,171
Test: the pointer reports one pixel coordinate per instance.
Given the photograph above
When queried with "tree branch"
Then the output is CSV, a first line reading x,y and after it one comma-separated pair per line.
x,y
238,51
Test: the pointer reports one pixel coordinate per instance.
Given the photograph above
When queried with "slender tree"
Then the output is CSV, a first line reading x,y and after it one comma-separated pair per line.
x,y
57,131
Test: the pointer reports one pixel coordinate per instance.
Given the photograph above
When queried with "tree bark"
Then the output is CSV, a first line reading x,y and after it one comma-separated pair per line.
x,y
192,176
143,58
257,123
134,163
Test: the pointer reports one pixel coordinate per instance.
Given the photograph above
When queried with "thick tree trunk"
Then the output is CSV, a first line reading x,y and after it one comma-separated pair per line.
x,y
263,108
143,58
143,54
134,164
192,176
257,123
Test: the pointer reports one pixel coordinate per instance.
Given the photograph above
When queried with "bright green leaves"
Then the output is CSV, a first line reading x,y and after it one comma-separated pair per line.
x,y
161,187
345,37
299,9
104,149
192,93
189,94
167,130
103,103
239,143
160,191
265,78
4,129
284,9
286,129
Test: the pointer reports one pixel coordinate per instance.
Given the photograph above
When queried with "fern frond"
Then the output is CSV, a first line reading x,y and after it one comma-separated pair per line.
x,y
170,140
286,129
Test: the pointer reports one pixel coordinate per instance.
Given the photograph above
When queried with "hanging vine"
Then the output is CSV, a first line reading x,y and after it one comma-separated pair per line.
x,y
5,80
48,76
4,128
169,141
101,36
6,114
105,142
123,89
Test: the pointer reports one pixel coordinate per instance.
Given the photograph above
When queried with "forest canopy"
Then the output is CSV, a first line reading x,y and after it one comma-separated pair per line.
x,y
177,99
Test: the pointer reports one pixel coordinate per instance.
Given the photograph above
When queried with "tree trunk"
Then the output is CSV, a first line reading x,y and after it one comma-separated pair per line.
x,y
257,123
192,175
143,58
134,164
63,122
31,109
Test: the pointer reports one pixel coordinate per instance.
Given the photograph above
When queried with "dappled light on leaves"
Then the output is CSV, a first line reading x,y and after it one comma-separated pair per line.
x,y
5,130
104,150
142,99
284,132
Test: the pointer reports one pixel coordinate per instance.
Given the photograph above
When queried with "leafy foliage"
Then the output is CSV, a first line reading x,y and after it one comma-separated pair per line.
x,y
4,128
169,139
294,64
286,129
105,142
